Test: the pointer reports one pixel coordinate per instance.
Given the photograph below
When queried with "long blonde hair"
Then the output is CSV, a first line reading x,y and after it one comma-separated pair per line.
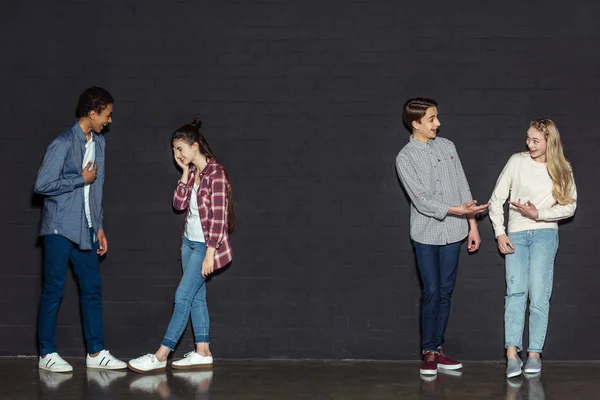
x,y
558,167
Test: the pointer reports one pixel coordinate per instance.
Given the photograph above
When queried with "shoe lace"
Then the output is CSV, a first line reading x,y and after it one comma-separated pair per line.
x,y
430,356
188,354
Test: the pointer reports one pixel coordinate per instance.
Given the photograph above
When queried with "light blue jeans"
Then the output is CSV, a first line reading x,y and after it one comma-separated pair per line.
x,y
529,273
190,298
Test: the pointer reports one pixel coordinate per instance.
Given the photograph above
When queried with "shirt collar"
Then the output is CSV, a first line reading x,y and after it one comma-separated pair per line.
x,y
419,144
79,132
209,164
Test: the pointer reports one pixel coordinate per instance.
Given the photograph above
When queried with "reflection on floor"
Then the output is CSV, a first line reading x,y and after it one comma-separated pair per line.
x,y
292,380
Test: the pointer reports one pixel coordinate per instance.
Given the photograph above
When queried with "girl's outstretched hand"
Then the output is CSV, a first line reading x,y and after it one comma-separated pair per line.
x,y
526,209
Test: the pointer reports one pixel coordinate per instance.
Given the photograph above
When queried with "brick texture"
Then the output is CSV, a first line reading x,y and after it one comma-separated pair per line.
x,y
301,101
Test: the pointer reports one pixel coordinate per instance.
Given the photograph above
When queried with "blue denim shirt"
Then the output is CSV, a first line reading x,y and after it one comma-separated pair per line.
x,y
60,179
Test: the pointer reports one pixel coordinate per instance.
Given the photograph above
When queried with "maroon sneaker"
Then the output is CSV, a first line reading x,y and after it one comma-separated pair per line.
x,y
430,363
445,362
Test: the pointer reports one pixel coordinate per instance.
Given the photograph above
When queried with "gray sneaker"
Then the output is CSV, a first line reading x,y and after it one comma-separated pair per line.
x,y
513,367
533,365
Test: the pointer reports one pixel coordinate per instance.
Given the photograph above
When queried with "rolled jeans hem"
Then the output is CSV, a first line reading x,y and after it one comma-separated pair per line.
x,y
202,339
534,351
169,343
519,348
431,351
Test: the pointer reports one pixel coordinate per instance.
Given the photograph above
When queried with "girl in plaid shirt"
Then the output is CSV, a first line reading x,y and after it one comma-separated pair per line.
x,y
205,192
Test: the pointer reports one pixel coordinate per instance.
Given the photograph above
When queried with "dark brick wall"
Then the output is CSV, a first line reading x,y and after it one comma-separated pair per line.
x,y
301,101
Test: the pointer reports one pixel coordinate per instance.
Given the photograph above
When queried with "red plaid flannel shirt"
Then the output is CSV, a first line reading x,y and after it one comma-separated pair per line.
x,y
212,206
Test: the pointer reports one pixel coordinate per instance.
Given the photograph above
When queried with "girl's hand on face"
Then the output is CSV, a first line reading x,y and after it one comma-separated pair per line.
x,y
526,209
208,266
180,163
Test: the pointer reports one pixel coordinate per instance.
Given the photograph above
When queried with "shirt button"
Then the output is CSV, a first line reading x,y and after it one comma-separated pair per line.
x,y
56,231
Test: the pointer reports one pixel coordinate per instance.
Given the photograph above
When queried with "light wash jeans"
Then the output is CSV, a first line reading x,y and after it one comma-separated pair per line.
x,y
190,298
529,273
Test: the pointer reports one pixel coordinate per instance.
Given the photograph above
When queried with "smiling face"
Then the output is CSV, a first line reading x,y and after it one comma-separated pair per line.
x,y
99,121
426,128
537,145
184,152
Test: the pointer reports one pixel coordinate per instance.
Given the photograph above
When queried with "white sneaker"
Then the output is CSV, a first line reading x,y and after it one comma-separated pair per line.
x,y
193,360
147,363
54,363
104,360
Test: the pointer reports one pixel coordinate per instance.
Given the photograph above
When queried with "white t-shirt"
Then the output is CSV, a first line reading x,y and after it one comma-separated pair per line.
x,y
90,155
193,227
527,180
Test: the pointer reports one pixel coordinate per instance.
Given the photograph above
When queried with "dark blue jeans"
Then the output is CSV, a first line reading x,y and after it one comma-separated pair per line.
x,y
437,267
58,250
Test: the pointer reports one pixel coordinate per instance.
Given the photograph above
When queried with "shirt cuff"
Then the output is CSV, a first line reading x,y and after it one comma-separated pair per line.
x,y
78,182
542,215
499,231
441,213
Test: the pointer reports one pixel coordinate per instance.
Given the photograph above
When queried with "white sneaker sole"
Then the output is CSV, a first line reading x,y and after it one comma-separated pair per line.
x,y
110,367
514,374
532,371
450,367
192,366
57,369
141,371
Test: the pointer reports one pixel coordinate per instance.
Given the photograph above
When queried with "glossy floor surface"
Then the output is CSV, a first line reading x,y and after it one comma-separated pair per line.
x,y
292,380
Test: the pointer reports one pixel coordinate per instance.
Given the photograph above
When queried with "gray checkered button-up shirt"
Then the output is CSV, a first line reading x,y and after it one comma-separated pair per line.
x,y
434,179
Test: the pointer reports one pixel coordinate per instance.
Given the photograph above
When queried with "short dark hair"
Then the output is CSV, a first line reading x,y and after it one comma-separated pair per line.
x,y
415,109
93,99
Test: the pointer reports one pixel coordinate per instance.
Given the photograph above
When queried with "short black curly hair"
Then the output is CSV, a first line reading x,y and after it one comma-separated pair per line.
x,y
93,99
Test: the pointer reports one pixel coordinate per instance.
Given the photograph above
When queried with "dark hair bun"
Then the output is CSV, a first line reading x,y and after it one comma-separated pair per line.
x,y
196,122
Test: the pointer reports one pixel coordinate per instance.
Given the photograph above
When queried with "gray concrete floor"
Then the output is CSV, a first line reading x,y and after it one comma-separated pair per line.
x,y
292,380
